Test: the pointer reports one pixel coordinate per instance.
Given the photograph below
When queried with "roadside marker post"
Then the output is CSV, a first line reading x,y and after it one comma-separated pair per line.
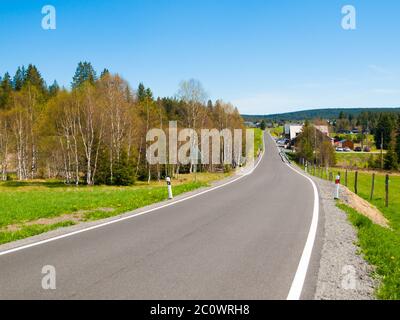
x,y
337,183
169,186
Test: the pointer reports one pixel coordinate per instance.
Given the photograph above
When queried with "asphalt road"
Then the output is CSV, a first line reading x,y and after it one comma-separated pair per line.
x,y
241,241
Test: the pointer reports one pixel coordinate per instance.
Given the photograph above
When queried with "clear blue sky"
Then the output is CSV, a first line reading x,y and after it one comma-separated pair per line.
x,y
265,56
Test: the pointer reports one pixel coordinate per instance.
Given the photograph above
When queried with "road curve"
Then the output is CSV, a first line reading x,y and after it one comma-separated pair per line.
x,y
242,241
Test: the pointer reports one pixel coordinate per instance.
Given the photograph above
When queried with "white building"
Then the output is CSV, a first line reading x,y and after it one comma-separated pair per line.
x,y
293,130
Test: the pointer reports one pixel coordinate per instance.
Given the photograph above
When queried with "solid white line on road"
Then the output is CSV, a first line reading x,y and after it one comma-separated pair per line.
x,y
130,216
301,273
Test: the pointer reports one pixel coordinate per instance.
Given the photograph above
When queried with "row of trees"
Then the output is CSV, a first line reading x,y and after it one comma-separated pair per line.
x,y
94,133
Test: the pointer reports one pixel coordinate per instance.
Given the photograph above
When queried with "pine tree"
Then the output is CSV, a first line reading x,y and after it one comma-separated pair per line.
x,y
33,78
104,73
54,89
84,73
149,94
210,105
384,129
397,147
390,160
19,78
141,92
6,89
124,173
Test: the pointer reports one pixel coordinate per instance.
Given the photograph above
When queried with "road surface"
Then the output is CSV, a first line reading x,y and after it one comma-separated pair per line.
x,y
241,241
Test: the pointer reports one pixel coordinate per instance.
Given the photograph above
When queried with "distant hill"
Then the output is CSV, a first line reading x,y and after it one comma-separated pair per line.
x,y
332,113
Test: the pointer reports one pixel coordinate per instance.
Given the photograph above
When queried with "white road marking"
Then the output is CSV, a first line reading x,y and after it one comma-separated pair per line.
x,y
131,216
297,285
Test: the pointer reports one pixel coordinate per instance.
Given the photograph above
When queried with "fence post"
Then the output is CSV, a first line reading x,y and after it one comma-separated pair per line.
x,y
356,183
330,176
372,187
345,179
387,191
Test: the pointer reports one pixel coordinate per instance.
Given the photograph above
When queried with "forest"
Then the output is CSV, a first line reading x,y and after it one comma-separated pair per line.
x,y
95,132
329,113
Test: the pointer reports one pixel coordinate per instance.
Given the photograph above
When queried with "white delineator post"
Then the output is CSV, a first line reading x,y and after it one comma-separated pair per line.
x,y
337,183
170,196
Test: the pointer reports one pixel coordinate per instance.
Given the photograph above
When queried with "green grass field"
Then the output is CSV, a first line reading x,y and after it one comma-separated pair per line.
x,y
355,159
379,246
277,131
22,203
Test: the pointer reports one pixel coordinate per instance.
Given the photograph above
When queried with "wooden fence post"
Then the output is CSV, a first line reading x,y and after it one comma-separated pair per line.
x,y
345,179
387,191
356,183
372,186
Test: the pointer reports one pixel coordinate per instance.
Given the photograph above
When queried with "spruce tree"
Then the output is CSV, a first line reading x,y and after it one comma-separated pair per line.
x,y
104,73
383,129
19,78
84,73
34,78
390,160
6,89
141,92
397,147
54,89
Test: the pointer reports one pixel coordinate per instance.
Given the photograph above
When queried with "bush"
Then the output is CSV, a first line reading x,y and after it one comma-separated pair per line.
x,y
123,170
124,174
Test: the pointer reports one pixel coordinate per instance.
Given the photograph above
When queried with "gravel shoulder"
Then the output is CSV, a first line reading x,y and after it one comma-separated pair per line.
x,y
343,273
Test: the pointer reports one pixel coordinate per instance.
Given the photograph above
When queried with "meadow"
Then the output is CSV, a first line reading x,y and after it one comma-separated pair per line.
x,y
379,246
356,159
33,207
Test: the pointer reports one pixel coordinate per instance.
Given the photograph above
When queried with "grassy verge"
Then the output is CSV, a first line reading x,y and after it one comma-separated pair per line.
x,y
381,248
277,131
25,202
258,141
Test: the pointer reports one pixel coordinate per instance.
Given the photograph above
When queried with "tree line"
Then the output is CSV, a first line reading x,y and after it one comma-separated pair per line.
x,y
95,133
